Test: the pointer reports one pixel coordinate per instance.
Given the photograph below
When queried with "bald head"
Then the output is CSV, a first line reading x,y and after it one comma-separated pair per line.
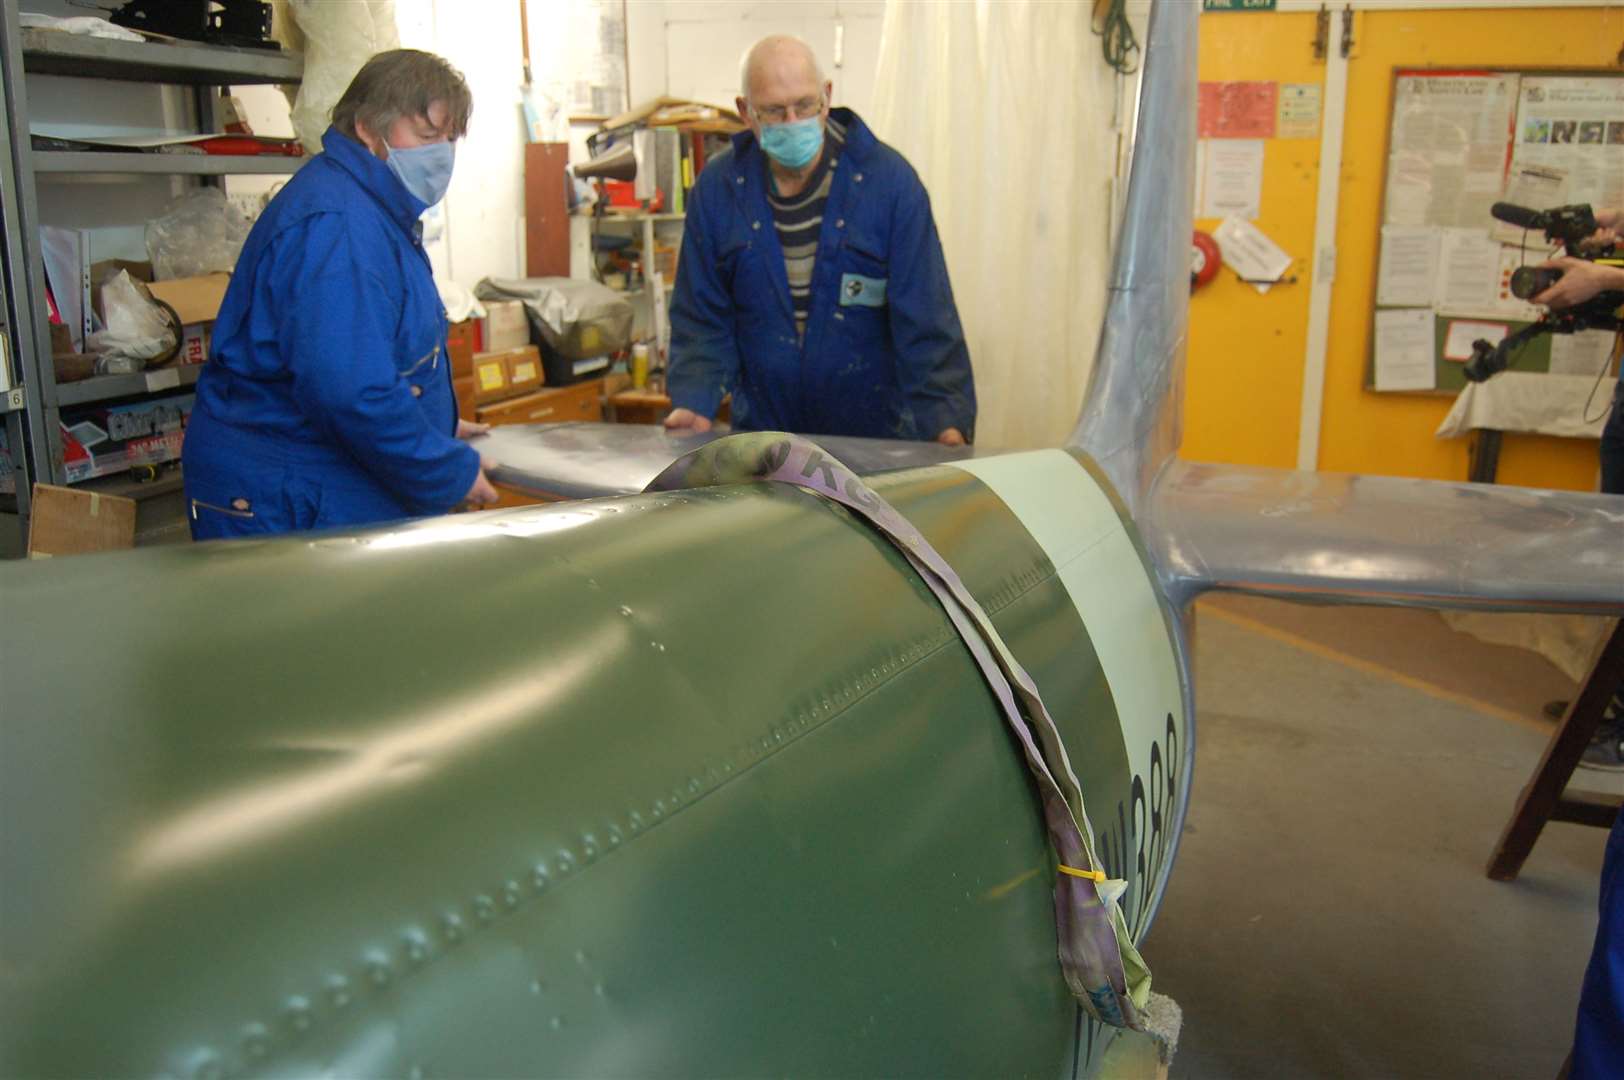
x,y
776,62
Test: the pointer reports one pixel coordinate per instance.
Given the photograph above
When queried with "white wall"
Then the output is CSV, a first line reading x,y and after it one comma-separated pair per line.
x,y
705,39
480,227
645,47
112,208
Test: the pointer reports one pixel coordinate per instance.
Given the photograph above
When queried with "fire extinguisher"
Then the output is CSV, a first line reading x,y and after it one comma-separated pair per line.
x,y
1205,258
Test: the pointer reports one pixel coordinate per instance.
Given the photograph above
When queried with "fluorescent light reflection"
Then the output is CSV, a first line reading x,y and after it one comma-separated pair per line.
x,y
419,746
456,532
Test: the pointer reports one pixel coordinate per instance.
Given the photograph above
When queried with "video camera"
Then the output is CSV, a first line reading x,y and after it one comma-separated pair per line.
x,y
1571,226
1568,225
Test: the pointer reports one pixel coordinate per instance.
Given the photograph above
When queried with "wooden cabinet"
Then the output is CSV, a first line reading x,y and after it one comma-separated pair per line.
x,y
583,401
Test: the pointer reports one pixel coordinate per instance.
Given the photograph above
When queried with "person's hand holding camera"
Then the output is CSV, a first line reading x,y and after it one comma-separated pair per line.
x,y
1582,279
1609,232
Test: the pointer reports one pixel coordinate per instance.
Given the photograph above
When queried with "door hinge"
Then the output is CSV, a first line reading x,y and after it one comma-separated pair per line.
x,y
1322,32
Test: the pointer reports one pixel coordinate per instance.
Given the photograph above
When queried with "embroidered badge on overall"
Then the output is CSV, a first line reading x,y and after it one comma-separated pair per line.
x,y
859,291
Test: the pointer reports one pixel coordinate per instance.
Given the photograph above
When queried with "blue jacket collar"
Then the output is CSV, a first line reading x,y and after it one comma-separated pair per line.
x,y
747,153
374,177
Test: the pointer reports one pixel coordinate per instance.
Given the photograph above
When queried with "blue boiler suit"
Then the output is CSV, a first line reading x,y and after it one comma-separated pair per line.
x,y
884,354
1598,1044
327,398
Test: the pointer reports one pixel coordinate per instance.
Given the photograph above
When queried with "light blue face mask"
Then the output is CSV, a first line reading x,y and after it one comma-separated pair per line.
x,y
795,144
425,170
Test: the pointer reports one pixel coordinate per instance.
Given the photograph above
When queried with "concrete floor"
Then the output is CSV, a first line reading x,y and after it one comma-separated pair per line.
x,y
1329,915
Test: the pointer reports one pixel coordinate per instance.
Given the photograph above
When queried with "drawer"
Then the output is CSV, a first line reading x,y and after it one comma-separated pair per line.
x,y
583,401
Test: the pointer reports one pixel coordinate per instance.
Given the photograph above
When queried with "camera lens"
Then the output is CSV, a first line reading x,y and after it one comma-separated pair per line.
x,y
1529,281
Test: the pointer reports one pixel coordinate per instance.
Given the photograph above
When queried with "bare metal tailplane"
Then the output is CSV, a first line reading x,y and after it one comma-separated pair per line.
x,y
1131,421
1299,535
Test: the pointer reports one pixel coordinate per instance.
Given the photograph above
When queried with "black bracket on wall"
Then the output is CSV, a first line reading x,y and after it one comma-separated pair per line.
x,y
1322,32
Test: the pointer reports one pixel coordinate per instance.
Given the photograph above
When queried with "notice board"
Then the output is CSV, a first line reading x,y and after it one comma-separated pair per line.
x,y
1459,141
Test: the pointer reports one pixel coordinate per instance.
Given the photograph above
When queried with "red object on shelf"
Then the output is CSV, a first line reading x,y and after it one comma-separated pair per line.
x,y
249,144
624,193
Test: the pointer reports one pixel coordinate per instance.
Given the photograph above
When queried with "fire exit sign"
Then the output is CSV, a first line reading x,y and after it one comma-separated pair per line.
x,y
1237,5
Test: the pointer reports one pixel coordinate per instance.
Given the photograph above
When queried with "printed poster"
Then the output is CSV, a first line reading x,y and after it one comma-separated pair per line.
x,y
1299,111
1236,110
1575,126
1448,157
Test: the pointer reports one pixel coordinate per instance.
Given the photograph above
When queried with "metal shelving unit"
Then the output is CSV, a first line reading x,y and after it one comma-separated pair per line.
x,y
76,161
51,52
108,387
30,410
647,225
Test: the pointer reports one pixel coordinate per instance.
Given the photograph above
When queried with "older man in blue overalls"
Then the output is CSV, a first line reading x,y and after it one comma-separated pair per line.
x,y
812,284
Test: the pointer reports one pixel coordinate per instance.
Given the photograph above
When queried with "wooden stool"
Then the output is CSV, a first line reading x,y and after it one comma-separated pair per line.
x,y
1543,799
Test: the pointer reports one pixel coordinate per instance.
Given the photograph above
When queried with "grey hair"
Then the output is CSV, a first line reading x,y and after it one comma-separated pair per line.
x,y
403,82
744,61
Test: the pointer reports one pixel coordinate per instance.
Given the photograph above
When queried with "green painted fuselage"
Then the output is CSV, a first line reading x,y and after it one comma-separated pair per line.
x,y
683,784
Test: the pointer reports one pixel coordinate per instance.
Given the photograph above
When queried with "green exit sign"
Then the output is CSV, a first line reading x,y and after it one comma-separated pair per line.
x,y
1237,5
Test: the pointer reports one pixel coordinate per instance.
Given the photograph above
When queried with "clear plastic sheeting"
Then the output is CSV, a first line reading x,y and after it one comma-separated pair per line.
x,y
199,233
1132,423
338,39
137,331
1006,111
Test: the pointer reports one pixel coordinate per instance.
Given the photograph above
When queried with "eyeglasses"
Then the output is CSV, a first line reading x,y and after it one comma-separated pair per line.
x,y
777,114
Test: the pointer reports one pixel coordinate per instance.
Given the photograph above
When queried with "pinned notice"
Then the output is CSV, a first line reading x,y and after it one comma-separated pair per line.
x,y
1584,353
1462,332
1468,272
1404,350
1232,181
1299,111
1251,254
1408,271
1236,110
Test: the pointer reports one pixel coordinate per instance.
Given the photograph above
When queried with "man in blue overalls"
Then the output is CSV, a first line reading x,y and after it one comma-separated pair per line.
x,y
327,398
812,284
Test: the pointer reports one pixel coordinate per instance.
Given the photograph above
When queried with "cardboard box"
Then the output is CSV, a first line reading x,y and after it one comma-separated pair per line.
x,y
506,326
461,343
98,440
524,369
195,299
70,522
194,345
490,377
583,401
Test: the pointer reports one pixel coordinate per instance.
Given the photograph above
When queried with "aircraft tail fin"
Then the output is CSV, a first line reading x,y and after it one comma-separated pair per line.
x,y
1131,421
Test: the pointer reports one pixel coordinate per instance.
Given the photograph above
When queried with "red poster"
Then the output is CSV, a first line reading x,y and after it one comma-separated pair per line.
x,y
1237,110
